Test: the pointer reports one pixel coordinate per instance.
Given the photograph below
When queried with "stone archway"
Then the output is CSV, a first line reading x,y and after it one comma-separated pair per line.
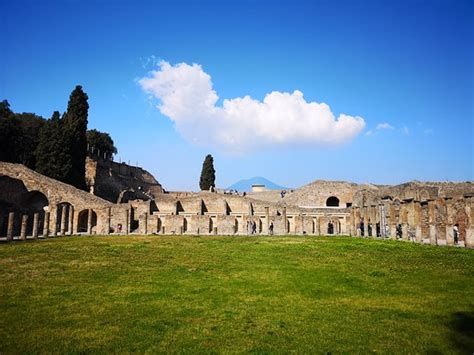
x,y
86,221
332,201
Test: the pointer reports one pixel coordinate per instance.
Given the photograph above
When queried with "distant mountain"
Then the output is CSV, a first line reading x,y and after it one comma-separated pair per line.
x,y
246,185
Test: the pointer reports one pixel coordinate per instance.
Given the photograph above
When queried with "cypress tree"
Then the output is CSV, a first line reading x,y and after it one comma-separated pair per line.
x,y
52,159
208,174
75,128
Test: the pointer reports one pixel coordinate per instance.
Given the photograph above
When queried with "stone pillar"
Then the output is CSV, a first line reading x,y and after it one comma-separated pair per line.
x,y
62,212
70,230
11,221
432,222
366,221
285,221
89,221
145,223
250,207
356,222
441,222
417,216
373,221
393,221
469,208
404,220
46,225
24,224
449,232
54,222
108,220
267,218
125,227
35,225
351,222
317,226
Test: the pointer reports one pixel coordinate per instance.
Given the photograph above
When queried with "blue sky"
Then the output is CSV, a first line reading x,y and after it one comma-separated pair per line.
x,y
406,67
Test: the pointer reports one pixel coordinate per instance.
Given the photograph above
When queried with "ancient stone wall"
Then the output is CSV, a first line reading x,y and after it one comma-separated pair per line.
x,y
119,182
34,206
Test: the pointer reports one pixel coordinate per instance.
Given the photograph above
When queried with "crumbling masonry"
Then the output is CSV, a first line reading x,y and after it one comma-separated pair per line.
x,y
33,206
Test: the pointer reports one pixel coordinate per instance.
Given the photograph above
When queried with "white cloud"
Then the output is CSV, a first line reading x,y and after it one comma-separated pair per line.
x,y
405,130
187,97
384,125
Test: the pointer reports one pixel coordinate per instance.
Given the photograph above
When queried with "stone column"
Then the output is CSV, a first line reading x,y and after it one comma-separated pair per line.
x,y
63,219
54,221
267,218
404,220
317,226
46,224
366,222
351,222
70,230
11,221
127,222
108,220
416,209
250,207
24,224
89,221
449,221
285,221
432,222
393,221
469,208
441,221
145,223
35,225
356,222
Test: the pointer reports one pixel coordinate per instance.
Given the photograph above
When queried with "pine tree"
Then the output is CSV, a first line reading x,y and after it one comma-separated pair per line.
x,y
75,128
208,174
52,157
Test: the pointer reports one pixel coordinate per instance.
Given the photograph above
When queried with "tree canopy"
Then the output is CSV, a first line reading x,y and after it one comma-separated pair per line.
x,y
75,128
56,147
208,174
100,144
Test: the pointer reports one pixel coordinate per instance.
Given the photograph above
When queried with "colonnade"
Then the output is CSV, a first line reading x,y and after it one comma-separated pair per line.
x,y
443,221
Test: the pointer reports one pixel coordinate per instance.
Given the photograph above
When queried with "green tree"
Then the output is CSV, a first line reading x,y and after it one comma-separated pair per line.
x,y
208,174
75,128
101,144
18,135
53,159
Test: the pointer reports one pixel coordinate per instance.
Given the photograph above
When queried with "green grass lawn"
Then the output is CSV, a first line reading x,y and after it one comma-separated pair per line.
x,y
235,294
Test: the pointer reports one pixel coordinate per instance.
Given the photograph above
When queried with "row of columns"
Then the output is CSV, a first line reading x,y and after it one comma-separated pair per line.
x,y
62,223
429,221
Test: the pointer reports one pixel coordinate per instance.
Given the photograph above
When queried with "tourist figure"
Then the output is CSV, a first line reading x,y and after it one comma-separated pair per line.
x,y
254,227
270,228
456,234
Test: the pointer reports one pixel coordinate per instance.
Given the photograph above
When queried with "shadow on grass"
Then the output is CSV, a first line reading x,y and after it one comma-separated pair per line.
x,y
462,335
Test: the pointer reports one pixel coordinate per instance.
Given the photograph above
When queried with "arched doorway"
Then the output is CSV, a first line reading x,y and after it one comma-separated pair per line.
x,y
330,227
332,201
83,221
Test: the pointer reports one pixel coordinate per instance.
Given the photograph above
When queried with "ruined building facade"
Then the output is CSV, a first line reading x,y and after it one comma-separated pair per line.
x,y
34,206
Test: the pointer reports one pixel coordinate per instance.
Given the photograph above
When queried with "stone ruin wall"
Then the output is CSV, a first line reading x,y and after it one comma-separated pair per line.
x,y
119,182
34,206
